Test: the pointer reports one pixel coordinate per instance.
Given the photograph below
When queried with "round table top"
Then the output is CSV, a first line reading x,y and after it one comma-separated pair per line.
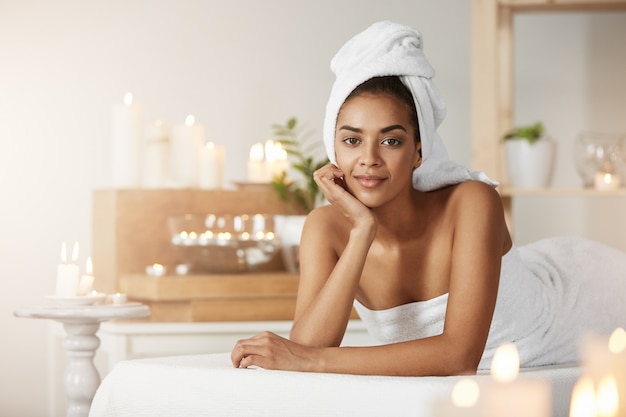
x,y
88,313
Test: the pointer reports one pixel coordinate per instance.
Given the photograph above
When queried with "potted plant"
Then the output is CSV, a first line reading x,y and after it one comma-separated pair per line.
x,y
303,193
530,156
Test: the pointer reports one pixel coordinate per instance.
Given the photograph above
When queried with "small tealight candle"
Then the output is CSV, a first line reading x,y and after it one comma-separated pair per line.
x,y
85,286
118,298
67,273
156,270
606,181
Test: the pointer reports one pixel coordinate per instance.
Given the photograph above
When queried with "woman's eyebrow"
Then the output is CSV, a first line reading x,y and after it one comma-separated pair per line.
x,y
383,130
350,128
392,127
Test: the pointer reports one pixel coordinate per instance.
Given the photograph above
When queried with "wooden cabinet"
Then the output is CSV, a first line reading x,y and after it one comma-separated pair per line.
x,y
493,83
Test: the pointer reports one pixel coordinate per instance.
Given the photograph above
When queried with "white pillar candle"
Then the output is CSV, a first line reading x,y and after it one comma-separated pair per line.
x,y
256,164
604,359
67,273
155,155
126,140
185,146
508,395
85,285
211,166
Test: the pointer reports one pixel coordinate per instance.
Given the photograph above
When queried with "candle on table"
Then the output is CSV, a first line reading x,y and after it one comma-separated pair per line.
x,y
67,273
604,361
185,146
256,164
85,285
155,155
463,401
276,159
126,140
508,395
211,166
118,298
156,270
606,181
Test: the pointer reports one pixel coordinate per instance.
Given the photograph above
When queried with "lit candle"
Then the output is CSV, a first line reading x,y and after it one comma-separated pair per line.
x,y
126,140
155,155
606,181
463,401
279,163
256,164
156,270
604,361
67,273
211,166
511,396
185,149
118,298
85,285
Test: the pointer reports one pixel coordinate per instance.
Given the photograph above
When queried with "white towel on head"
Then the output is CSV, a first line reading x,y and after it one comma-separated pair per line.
x,y
387,48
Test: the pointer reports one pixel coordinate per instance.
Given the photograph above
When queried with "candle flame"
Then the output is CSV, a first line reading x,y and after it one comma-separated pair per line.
x,y
128,99
89,266
63,253
583,398
617,341
210,145
190,120
75,252
607,398
505,364
465,393
607,178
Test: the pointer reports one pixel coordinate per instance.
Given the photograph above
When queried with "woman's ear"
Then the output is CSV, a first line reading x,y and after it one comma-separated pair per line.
x,y
417,159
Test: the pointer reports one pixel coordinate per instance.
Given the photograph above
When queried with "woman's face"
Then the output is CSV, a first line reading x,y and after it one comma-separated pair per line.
x,y
375,147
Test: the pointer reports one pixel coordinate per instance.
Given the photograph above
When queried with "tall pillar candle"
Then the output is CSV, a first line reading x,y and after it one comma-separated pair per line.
x,y
211,166
126,140
185,146
67,273
155,155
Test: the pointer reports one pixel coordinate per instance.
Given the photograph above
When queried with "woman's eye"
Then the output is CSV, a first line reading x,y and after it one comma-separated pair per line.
x,y
391,142
351,141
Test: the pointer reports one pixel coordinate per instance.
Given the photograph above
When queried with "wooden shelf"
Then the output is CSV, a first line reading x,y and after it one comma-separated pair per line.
x,y
493,86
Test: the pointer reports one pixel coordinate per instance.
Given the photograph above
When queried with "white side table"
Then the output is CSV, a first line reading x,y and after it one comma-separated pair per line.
x,y
81,323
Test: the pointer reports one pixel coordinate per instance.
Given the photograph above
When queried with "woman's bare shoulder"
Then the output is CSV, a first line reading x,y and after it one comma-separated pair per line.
x,y
475,194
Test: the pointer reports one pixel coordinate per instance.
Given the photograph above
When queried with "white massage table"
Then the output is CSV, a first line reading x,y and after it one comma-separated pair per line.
x,y
208,385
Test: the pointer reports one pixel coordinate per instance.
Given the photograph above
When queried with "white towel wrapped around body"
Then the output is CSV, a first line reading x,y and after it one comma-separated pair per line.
x,y
387,48
552,293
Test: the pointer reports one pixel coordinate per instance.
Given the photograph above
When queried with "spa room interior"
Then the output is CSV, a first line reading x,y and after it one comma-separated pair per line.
x,y
128,126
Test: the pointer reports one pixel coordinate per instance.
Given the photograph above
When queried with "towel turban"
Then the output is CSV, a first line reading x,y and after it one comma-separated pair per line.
x,y
384,49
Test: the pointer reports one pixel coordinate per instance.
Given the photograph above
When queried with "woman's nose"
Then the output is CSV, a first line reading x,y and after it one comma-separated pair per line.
x,y
370,155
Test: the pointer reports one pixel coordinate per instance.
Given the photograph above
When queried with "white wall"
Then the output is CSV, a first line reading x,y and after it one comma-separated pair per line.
x,y
237,66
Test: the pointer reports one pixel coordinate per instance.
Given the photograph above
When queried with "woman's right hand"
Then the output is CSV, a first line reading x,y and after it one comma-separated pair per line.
x,y
330,180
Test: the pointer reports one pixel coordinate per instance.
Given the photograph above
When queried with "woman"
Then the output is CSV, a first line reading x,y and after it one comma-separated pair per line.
x,y
419,245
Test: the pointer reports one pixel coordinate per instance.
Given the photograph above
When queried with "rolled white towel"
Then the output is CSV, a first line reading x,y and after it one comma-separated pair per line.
x,y
387,48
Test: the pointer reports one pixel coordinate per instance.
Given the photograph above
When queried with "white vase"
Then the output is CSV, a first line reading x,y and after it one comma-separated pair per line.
x,y
530,165
289,231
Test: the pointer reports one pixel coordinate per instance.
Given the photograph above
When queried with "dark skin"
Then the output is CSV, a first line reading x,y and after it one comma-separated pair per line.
x,y
386,244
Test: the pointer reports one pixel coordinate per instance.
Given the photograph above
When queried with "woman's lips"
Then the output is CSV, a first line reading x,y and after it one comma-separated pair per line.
x,y
369,181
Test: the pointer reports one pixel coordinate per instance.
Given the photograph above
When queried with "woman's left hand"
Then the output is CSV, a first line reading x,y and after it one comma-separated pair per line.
x,y
270,351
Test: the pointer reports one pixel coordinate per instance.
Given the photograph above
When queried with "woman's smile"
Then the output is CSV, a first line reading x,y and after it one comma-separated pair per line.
x,y
369,181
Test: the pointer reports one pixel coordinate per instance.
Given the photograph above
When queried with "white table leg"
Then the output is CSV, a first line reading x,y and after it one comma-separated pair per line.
x,y
81,376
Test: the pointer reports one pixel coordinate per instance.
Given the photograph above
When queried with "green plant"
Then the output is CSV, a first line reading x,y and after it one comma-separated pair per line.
x,y
304,192
531,133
